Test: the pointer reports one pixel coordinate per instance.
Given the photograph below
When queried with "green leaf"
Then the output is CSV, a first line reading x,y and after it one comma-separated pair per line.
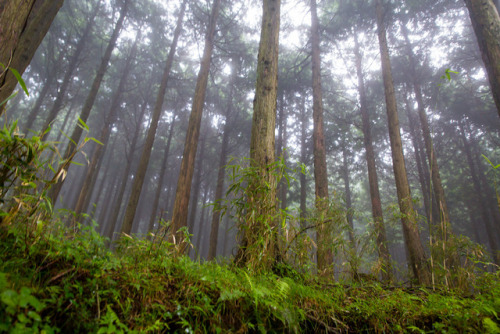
x,y
82,124
20,80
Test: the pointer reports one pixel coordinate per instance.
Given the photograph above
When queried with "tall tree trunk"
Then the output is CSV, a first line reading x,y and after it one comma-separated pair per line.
x,y
325,254
263,204
486,23
163,172
148,145
183,192
89,102
68,75
377,213
24,24
105,134
221,172
417,259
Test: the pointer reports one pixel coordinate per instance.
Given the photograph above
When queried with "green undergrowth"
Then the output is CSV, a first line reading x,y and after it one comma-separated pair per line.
x,y
55,281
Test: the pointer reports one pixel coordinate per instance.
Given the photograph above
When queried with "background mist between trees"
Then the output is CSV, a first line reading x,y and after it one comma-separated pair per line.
x,y
425,38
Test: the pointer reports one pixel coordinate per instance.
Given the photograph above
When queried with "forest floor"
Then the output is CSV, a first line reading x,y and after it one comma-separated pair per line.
x,y
71,283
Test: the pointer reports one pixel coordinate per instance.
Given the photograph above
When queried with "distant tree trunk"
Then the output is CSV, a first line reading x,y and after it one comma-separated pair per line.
x,y
183,192
423,173
148,145
262,142
303,158
281,147
486,23
163,172
325,254
107,226
221,173
68,75
89,102
193,208
480,198
24,24
417,259
429,147
93,169
126,175
377,212
202,226
347,189
28,125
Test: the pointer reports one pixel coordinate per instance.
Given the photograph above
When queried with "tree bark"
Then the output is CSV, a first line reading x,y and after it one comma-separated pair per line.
x,y
89,102
148,145
377,212
304,120
486,24
417,258
23,25
183,192
262,146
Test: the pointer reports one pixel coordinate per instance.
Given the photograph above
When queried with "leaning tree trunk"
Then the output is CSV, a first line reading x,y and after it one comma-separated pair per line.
x,y
377,213
486,23
23,25
325,255
180,213
417,258
262,205
89,102
135,194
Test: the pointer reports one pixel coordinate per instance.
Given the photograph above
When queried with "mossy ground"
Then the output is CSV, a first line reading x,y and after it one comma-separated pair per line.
x,y
58,281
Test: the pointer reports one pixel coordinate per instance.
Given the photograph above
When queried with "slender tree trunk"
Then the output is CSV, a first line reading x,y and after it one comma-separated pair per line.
x,y
348,194
325,254
89,102
417,259
183,192
262,144
68,76
148,146
486,23
377,212
202,226
281,148
163,172
24,24
105,134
